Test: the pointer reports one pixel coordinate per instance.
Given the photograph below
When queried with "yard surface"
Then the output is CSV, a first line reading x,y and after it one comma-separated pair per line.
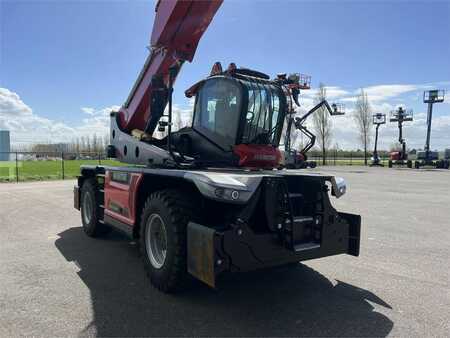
x,y
55,281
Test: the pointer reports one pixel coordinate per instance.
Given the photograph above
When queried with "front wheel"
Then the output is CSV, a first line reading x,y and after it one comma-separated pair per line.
x,y
163,238
390,164
409,164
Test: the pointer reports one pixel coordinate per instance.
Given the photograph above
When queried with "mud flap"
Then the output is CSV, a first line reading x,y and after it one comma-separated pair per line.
x,y
76,197
200,253
354,232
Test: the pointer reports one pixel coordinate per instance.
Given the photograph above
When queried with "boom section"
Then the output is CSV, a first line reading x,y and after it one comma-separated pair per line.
x,y
177,29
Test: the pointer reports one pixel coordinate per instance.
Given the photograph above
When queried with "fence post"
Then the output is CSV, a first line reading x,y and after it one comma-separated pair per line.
x,y
17,169
99,159
62,164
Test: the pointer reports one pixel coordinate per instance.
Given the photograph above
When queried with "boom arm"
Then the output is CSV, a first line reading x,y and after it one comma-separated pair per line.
x,y
298,122
178,27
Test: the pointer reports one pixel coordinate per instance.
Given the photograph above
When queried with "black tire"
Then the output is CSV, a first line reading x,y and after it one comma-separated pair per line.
x,y
416,165
446,164
390,164
175,213
409,164
91,212
312,164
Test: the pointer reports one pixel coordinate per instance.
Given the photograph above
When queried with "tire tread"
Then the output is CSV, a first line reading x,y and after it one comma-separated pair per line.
x,y
180,211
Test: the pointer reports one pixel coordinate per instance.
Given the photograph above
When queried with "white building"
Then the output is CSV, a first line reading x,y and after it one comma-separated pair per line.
x,y
5,145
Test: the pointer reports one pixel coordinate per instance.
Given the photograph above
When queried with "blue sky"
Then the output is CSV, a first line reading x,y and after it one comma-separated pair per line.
x,y
67,62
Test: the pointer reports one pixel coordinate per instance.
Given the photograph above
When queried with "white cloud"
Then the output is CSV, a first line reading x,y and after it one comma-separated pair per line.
x,y
27,127
12,105
333,92
88,110
383,92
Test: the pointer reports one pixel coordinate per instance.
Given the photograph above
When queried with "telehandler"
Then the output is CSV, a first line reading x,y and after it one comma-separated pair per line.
x,y
209,198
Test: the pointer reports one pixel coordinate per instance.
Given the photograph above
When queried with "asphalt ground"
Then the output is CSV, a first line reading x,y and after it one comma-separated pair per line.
x,y
55,281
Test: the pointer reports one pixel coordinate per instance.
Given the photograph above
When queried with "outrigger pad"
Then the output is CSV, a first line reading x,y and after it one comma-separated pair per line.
x,y
354,232
200,253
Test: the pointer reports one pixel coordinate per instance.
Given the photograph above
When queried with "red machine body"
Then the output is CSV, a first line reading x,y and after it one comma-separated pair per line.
x,y
258,156
121,196
397,156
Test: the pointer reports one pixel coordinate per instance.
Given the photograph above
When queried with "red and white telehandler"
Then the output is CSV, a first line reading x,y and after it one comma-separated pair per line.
x,y
210,198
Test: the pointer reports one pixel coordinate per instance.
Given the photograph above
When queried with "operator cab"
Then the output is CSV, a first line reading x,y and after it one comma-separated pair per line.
x,y
235,116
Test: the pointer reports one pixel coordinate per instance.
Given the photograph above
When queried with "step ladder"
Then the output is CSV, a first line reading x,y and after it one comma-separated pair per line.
x,y
301,233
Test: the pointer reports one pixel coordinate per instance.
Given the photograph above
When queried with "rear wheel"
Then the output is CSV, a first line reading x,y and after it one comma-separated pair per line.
x,y
390,164
416,165
409,164
163,239
91,212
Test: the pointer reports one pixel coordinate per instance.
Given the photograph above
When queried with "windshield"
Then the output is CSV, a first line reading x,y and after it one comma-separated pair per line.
x,y
263,114
217,111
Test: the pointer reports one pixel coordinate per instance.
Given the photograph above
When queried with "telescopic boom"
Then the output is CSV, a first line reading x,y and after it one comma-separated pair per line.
x,y
177,29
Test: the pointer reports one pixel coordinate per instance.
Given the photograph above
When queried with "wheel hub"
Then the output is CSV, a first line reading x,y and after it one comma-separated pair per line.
x,y
156,240
87,207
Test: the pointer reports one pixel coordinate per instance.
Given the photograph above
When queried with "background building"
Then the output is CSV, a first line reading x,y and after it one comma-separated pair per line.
x,y
5,145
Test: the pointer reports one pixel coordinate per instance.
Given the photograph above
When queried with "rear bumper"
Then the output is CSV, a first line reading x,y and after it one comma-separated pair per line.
x,y
212,252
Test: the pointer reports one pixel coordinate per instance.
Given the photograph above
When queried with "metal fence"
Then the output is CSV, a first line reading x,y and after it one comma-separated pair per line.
x,y
351,158
28,166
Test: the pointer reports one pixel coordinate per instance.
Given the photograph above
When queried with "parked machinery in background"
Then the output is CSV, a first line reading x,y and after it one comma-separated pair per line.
x,y
400,158
428,157
298,159
294,159
378,120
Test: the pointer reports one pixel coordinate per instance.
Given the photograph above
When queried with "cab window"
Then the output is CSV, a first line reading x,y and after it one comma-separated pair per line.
x,y
217,111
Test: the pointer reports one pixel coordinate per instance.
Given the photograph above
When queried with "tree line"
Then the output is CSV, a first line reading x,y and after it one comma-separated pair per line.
x,y
322,126
83,144
323,123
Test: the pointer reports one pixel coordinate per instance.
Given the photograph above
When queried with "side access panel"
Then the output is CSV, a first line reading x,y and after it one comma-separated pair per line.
x,y
121,199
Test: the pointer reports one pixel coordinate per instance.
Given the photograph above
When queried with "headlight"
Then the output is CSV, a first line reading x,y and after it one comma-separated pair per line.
x,y
223,194
338,186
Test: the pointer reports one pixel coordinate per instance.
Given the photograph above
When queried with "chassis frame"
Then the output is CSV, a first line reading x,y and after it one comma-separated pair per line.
x,y
235,245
